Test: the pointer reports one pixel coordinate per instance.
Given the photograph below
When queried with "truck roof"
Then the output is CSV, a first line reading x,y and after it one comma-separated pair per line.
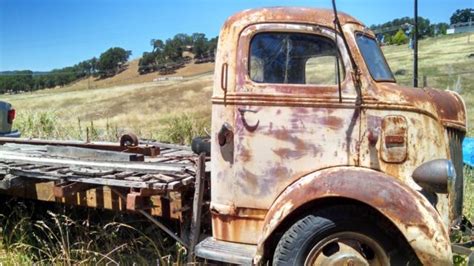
x,y
304,15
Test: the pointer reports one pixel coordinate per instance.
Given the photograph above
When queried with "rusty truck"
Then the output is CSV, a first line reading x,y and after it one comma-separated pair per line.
x,y
316,156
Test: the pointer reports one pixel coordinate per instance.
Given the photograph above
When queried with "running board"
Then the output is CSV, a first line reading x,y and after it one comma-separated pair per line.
x,y
228,252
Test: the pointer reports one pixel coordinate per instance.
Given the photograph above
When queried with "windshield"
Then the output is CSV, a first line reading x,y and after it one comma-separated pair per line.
x,y
374,58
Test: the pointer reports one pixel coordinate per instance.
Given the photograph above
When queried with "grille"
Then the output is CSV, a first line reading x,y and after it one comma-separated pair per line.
x,y
455,148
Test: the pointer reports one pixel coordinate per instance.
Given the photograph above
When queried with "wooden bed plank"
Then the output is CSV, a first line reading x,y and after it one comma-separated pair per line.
x,y
145,167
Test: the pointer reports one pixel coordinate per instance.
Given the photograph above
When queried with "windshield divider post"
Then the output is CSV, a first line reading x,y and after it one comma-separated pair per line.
x,y
355,68
338,71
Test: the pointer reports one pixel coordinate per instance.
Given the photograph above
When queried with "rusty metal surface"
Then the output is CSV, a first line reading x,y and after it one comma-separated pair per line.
x,y
393,144
235,222
105,146
282,132
455,139
279,117
410,212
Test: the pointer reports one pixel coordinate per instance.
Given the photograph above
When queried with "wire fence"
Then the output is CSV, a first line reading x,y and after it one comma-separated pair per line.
x,y
460,73
421,55
460,81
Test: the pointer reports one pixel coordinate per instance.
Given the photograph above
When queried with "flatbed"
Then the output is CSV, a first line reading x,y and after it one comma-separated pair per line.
x,y
92,175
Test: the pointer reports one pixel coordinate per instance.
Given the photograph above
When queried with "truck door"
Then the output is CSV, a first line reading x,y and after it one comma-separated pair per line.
x,y
289,117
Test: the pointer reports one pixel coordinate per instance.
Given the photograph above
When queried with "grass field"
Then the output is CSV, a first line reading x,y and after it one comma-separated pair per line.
x,y
157,110
446,61
125,103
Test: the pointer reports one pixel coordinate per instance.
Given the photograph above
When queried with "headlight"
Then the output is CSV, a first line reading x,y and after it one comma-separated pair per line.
x,y
435,175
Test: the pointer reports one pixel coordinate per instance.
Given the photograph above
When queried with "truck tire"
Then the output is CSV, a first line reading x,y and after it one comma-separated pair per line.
x,y
201,144
343,235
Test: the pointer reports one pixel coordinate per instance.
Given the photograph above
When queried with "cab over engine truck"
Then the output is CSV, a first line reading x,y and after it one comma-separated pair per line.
x,y
317,155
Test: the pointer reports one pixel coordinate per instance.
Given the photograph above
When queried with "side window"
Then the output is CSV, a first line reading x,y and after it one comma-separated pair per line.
x,y
293,58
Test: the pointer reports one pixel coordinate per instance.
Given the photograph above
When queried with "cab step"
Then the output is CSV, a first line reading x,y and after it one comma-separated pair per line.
x,y
228,252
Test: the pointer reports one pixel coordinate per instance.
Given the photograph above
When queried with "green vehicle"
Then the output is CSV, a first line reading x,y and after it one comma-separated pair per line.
x,y
7,115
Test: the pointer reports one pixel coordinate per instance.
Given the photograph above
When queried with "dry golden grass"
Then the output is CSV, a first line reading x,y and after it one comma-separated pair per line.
x,y
131,76
137,107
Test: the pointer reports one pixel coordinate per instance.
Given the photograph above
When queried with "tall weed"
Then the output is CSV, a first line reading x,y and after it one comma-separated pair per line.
x,y
469,193
49,125
45,233
181,129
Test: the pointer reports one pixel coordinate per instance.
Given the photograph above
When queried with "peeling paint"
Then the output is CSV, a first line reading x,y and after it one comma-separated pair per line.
x,y
285,134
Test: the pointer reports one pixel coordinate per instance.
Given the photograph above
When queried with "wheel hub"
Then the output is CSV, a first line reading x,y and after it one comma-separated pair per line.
x,y
347,249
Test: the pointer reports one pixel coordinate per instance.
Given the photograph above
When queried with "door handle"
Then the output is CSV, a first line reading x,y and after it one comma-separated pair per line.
x,y
250,128
225,134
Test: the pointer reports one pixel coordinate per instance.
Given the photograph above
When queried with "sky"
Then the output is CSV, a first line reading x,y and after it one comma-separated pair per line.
x,y
41,35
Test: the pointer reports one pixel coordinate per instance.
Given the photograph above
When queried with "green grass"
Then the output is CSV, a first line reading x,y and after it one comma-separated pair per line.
x,y
175,128
469,193
49,125
468,211
181,129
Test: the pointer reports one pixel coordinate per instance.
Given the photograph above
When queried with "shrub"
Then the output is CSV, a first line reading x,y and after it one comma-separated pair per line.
x,y
181,129
399,38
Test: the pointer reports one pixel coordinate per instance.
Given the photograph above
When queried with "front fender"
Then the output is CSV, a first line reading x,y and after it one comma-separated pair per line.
x,y
408,210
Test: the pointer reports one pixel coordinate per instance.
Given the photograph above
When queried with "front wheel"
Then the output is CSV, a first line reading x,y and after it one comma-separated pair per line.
x,y
343,235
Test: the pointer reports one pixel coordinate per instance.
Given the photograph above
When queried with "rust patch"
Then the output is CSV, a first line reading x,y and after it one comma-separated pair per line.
x,y
446,106
287,139
245,155
324,17
240,227
285,153
332,122
449,107
301,110
404,207
394,140
394,146
284,135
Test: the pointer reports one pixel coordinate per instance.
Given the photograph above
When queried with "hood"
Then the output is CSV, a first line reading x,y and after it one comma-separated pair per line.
x,y
446,105
450,107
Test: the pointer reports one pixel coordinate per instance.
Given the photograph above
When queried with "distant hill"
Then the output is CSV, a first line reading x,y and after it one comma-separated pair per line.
x,y
35,73
131,76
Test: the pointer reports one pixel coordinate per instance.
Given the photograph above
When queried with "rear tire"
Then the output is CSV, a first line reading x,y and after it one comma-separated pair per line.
x,y
343,234
201,144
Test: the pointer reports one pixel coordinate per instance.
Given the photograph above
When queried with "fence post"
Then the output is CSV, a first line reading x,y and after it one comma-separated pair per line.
x,y
425,81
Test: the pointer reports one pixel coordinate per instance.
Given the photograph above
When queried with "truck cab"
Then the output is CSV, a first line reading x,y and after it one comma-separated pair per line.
x,y
319,156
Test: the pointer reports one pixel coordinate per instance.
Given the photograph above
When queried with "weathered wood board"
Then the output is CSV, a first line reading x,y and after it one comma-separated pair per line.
x,y
55,174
